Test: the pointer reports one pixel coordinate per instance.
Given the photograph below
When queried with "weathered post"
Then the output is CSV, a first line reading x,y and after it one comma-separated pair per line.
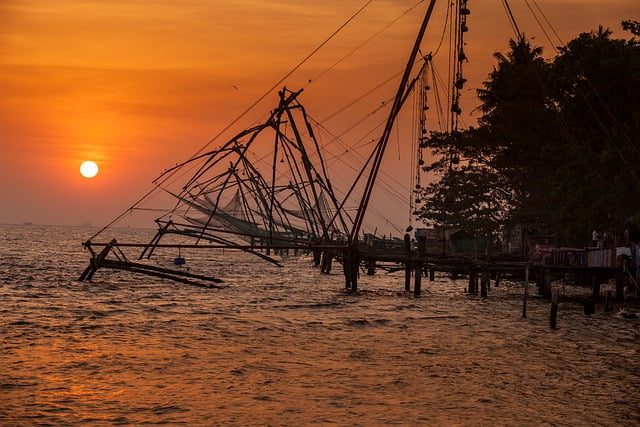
x,y
351,263
484,283
554,310
96,260
371,267
473,282
327,268
323,261
546,280
355,263
540,281
432,274
526,292
407,276
589,307
418,279
407,264
346,265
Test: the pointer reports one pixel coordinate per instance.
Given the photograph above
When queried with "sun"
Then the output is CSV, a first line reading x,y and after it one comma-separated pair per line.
x,y
89,169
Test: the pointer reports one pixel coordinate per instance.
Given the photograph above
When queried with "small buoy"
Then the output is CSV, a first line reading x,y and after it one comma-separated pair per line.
x,y
179,261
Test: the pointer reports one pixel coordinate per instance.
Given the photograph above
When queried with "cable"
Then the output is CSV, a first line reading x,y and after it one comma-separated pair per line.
x,y
548,23
364,43
541,27
233,122
361,97
512,20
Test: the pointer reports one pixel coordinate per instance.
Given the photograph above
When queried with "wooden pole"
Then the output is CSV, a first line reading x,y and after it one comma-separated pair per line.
x,y
346,266
546,282
96,262
553,317
418,280
371,268
473,282
354,263
407,264
526,291
484,279
540,281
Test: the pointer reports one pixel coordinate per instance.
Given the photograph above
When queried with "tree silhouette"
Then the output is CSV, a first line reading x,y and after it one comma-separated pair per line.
x,y
557,145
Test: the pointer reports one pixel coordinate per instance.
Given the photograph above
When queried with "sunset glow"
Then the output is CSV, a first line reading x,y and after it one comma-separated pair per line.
x,y
144,85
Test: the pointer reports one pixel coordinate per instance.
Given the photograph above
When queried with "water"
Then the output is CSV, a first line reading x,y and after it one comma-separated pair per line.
x,y
288,346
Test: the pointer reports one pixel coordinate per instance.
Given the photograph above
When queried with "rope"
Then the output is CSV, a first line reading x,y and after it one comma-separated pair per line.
x,y
286,76
512,19
548,23
233,122
386,27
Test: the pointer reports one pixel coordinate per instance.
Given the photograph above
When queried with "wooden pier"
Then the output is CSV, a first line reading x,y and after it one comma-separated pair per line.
x,y
417,263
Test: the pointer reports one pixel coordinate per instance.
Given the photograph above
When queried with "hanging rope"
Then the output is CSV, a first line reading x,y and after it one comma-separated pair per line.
x,y
512,19
360,46
164,178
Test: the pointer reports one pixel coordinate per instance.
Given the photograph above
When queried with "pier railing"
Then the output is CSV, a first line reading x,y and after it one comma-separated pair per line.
x,y
587,257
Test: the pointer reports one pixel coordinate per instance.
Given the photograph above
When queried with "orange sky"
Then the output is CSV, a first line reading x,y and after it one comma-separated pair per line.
x,y
140,85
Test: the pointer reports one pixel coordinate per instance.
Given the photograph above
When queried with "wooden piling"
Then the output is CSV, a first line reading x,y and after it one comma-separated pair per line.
x,y
553,316
327,268
317,255
350,264
371,268
546,283
418,280
327,260
407,265
526,292
484,283
473,282
540,281
96,261
407,276
432,275
589,307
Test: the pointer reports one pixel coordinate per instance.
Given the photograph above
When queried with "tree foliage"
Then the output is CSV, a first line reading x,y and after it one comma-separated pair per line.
x,y
632,26
557,143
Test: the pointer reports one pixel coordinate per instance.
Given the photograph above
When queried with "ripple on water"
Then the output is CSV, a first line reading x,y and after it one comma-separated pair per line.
x,y
290,346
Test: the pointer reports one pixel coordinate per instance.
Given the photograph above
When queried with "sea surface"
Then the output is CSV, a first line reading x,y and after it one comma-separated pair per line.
x,y
289,346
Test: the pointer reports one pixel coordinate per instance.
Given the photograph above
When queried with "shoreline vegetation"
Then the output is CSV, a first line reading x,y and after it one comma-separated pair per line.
x,y
557,148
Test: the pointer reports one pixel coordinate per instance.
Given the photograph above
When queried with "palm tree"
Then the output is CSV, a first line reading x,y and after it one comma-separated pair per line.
x,y
519,70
